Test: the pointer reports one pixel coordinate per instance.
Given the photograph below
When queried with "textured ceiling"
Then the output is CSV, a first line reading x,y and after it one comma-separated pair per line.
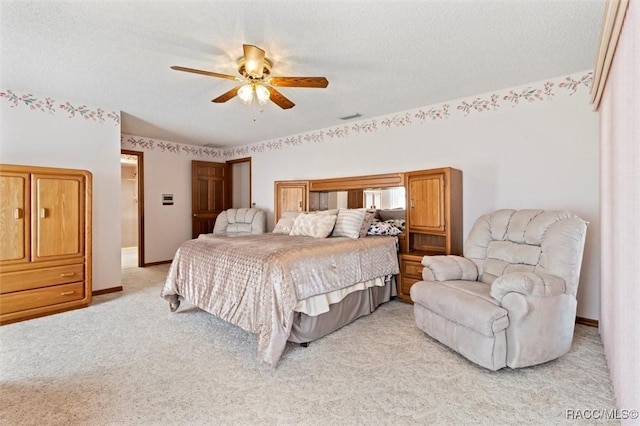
x,y
380,57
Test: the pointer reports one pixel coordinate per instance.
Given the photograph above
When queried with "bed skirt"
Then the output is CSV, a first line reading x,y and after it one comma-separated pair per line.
x,y
307,328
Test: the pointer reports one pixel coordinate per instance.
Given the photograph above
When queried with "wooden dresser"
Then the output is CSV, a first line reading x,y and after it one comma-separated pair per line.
x,y
45,241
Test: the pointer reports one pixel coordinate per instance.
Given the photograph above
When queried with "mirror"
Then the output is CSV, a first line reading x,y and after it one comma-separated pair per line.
x,y
378,198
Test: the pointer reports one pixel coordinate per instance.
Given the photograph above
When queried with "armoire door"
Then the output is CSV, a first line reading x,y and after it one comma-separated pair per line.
x,y
58,220
14,218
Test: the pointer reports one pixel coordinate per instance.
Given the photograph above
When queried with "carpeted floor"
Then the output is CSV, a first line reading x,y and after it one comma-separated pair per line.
x,y
127,360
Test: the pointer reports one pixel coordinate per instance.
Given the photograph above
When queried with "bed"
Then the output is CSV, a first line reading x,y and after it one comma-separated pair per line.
x,y
281,287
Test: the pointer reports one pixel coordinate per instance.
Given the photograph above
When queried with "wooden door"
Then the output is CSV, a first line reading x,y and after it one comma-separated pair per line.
x,y
14,218
427,202
58,219
290,196
209,195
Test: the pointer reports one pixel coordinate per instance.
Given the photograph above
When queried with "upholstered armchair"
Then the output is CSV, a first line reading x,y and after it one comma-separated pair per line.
x,y
511,299
241,221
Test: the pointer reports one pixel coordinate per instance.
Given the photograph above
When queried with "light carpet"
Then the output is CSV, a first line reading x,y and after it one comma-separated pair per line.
x,y
127,360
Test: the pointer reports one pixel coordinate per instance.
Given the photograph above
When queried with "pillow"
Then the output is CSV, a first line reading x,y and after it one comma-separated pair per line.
x,y
387,214
398,223
348,223
313,225
285,223
383,228
330,211
369,217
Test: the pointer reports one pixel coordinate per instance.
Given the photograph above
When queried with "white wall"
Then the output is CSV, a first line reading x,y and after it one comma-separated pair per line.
x,y
540,153
530,154
39,131
167,170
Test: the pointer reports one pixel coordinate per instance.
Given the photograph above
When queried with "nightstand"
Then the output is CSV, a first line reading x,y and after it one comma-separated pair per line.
x,y
410,273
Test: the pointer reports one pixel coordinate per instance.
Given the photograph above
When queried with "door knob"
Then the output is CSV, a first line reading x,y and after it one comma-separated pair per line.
x,y
195,215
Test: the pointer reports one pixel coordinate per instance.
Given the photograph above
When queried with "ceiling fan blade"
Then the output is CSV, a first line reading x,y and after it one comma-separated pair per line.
x,y
253,60
226,96
208,73
318,82
279,99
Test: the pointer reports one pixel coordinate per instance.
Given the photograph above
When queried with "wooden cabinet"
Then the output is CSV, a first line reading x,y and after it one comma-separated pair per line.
x,y
434,221
290,195
434,212
45,241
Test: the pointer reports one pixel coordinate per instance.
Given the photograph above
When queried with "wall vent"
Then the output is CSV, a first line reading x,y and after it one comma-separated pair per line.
x,y
351,117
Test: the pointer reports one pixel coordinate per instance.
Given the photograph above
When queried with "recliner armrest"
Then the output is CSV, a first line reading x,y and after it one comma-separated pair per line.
x,y
447,268
527,283
259,222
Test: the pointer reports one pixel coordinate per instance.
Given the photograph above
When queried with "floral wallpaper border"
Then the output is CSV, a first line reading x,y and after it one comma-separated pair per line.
x,y
544,91
51,106
148,144
539,92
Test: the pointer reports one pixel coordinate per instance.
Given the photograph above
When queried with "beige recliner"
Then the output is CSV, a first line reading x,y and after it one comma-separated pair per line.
x,y
511,300
241,221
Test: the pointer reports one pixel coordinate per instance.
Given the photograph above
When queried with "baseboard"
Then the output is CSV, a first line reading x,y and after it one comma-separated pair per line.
x,y
106,290
162,262
587,321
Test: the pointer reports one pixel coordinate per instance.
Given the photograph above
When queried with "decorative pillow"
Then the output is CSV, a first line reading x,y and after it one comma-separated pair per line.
x,y
398,223
387,214
313,225
348,223
369,217
330,211
383,228
285,223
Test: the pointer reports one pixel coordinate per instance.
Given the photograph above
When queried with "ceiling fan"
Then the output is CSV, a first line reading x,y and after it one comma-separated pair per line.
x,y
257,83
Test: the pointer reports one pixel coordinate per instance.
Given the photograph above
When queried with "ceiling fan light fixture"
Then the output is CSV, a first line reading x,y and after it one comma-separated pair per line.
x,y
262,94
245,94
256,81
250,91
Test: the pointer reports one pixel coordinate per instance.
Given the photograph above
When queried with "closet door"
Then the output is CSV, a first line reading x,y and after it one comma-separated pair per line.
x,y
58,221
14,218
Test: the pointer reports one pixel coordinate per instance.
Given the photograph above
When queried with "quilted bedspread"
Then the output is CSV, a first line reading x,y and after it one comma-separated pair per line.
x,y
255,281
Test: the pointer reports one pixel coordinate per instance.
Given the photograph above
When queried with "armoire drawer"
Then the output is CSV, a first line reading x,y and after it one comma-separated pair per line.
x,y
38,278
46,296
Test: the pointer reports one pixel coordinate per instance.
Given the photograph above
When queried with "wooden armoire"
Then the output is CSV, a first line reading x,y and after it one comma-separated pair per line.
x,y
45,241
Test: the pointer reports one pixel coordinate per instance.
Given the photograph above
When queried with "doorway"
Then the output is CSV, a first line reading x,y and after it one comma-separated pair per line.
x,y
132,209
240,176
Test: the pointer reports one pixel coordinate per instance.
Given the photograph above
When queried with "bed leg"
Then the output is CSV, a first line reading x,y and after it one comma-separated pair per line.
x,y
305,344
174,302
